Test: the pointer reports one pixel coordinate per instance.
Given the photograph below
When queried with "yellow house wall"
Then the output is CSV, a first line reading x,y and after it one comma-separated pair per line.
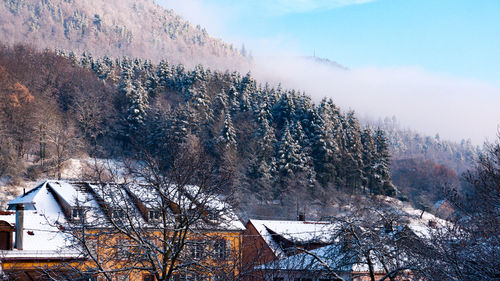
x,y
106,253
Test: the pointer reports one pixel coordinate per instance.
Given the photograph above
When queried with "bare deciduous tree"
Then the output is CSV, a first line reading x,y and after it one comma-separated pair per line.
x,y
162,214
470,248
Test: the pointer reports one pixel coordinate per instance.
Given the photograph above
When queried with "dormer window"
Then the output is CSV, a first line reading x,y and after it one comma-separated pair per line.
x,y
212,216
77,214
118,213
154,214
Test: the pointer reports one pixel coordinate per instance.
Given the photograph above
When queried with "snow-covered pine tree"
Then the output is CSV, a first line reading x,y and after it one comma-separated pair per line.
x,y
246,88
265,137
86,60
382,168
227,135
137,102
181,124
368,153
152,84
325,153
292,159
233,99
284,109
165,76
352,162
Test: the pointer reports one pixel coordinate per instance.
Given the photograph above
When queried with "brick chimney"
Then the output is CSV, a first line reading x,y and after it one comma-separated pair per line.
x,y
19,226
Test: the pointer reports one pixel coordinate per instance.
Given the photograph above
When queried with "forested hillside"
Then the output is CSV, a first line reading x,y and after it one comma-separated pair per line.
x,y
275,142
427,168
114,28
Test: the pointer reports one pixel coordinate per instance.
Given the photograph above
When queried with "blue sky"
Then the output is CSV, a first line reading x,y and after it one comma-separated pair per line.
x,y
458,37
434,64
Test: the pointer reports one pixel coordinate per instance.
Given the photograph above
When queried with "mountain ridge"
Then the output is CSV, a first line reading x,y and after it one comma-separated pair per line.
x,y
134,28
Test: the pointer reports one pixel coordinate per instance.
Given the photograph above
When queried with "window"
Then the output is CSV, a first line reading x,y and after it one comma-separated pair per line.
x,y
219,277
154,215
212,216
92,246
196,277
77,214
220,249
192,276
126,249
197,249
118,213
121,277
148,277
278,279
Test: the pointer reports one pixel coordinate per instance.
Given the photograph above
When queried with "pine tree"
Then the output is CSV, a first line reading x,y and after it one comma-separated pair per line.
x,y
352,162
101,69
165,76
233,99
180,124
382,167
324,151
137,106
292,160
265,138
227,135
369,156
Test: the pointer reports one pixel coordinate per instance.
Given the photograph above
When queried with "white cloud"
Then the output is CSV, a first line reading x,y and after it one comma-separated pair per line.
x,y
427,102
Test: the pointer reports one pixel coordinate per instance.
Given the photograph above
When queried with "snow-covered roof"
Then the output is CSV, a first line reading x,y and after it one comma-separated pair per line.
x,y
27,199
420,222
41,239
297,232
51,202
328,257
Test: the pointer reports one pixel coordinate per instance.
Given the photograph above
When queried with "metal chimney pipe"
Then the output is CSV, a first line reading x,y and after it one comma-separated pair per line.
x,y
19,226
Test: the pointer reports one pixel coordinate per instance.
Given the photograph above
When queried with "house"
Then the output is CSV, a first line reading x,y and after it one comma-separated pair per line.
x,y
70,229
269,240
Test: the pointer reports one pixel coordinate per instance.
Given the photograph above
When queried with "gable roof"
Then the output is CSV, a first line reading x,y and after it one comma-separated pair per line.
x,y
330,257
41,239
280,235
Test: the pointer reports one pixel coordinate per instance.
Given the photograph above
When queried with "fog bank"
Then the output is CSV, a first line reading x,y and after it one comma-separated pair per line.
x,y
431,103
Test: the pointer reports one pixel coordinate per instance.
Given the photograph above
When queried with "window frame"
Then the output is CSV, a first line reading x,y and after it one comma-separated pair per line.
x,y
77,214
154,214
220,249
197,249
